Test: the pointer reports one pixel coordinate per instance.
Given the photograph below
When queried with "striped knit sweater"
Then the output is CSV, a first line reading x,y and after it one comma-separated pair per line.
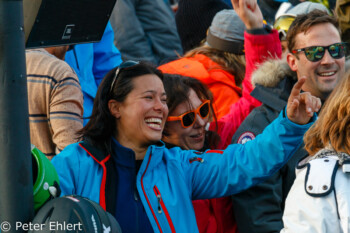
x,y
55,102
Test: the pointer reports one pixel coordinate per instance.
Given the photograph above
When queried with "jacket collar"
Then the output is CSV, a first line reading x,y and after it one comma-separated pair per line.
x,y
97,153
169,145
126,157
274,97
122,155
108,190
271,72
273,81
155,154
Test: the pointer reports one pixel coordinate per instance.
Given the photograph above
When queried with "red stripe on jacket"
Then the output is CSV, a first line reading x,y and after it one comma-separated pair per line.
x,y
104,177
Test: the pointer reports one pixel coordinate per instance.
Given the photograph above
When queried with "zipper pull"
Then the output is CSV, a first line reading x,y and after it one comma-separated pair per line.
x,y
136,195
193,159
159,208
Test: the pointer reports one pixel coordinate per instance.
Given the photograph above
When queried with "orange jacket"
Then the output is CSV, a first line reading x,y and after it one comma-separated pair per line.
x,y
221,83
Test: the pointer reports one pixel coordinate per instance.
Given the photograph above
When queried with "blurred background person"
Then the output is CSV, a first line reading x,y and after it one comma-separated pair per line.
x,y
219,63
342,12
55,100
282,25
194,17
261,43
145,30
91,62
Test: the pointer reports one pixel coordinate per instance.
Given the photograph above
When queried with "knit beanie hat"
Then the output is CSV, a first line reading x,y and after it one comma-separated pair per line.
x,y
193,19
226,32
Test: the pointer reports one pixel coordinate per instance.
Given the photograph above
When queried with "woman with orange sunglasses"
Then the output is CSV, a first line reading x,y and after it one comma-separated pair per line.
x,y
190,111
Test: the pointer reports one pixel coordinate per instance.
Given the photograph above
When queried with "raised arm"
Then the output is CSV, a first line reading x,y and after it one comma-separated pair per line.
x,y
260,44
241,166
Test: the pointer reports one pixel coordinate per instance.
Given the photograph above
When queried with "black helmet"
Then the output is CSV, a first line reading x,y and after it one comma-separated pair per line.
x,y
74,214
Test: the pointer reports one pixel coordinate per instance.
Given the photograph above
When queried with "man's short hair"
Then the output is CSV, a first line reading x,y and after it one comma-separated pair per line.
x,y
304,22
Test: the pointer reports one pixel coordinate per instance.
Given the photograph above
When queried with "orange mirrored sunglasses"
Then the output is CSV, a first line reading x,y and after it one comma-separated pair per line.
x,y
188,118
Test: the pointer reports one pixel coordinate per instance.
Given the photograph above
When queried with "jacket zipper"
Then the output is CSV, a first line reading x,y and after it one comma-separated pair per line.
x,y
144,193
159,198
161,207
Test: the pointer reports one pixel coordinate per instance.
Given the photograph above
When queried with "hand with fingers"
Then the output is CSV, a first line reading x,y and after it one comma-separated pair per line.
x,y
301,106
249,12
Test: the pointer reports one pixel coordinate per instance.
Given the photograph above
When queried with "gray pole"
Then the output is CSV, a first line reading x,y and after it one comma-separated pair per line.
x,y
16,185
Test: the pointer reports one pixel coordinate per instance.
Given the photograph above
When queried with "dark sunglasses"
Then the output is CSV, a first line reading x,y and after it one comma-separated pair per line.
x,y
188,118
316,53
124,65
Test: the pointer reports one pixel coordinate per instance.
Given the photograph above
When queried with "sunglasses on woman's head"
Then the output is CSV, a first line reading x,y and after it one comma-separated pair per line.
x,y
188,118
124,65
316,53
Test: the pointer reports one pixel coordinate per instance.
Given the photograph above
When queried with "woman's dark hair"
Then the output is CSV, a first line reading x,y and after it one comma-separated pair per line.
x,y
177,88
102,124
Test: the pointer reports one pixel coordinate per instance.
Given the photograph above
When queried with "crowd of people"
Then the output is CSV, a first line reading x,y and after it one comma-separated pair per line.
x,y
203,116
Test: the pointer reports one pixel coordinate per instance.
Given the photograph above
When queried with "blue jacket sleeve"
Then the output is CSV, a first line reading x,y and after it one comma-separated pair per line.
x,y
260,208
238,167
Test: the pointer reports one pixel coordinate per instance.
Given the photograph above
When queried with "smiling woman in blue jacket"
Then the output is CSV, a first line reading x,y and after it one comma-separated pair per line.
x,y
122,164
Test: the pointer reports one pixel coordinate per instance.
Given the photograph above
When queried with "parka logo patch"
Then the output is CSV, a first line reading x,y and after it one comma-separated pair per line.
x,y
245,137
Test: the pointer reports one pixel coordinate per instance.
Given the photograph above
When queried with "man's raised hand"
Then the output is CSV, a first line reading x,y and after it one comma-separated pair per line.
x,y
301,106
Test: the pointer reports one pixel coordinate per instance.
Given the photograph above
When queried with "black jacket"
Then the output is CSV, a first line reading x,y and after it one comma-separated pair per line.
x,y
260,208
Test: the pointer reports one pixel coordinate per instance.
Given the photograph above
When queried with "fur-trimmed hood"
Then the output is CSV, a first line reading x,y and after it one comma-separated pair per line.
x,y
271,72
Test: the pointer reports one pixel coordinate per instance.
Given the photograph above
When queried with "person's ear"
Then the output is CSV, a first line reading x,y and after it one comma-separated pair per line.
x,y
292,61
114,108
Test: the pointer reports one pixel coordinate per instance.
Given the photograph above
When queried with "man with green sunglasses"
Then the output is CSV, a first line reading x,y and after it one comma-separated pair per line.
x,y
318,54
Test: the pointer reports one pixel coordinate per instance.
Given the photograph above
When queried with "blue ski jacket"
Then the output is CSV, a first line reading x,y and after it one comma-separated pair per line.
x,y
169,179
